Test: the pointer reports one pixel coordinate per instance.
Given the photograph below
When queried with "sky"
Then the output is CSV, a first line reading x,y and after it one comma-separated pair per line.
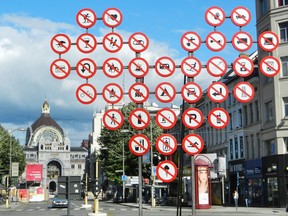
x,y
27,28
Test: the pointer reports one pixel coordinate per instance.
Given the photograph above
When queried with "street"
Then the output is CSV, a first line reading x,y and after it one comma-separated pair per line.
x,y
128,209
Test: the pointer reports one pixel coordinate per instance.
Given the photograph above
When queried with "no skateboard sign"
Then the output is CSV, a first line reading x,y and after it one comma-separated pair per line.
x,y
86,18
166,171
215,41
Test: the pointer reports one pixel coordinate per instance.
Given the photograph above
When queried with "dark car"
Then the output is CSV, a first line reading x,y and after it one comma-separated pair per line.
x,y
61,203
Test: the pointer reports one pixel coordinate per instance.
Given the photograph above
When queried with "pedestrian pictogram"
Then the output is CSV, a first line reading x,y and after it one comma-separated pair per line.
x,y
191,92
86,43
215,16
268,41
243,66
190,41
240,16
60,43
60,68
244,92
86,93
166,144
191,66
113,119
139,92
217,92
166,118
216,66
270,66
192,118
112,42
112,93
138,67
86,18
86,68
138,42
215,41
112,17
192,144
139,144
165,66
242,41
113,67
165,92
218,118
166,171
139,118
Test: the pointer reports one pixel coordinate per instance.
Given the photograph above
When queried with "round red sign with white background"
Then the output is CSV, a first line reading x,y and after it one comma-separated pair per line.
x,y
268,41
240,16
86,93
166,144
242,41
192,144
166,171
86,68
60,68
270,66
86,18
112,17
112,42
216,66
138,92
112,93
215,16
215,41
243,66
60,43
138,67
113,119
165,92
139,118
191,66
218,118
138,42
218,92
165,66
244,92
86,43
112,67
190,41
192,118
191,92
166,118
139,145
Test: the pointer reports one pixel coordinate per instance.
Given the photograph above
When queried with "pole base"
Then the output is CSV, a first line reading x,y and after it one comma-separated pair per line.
x,y
86,206
97,214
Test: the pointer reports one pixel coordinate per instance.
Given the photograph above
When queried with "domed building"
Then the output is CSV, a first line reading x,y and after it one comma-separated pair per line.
x,y
49,147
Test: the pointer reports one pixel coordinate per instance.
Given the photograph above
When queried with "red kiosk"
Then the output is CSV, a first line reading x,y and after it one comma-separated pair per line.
x,y
203,182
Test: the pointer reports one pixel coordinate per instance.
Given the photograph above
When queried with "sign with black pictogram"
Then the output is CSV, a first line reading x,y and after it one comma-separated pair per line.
x,y
138,92
268,41
190,41
242,41
244,92
138,42
112,93
139,144
112,42
112,17
113,119
270,66
217,92
60,43
218,118
165,66
86,93
138,67
192,144
60,68
139,118
165,92
191,92
191,66
166,118
86,18
243,66
215,16
215,41
192,118
86,43
86,68
240,16
166,171
166,144
216,66
112,67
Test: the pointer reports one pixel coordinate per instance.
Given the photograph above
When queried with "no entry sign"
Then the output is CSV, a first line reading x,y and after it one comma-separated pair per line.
x,y
165,66
166,144
60,43
166,171
191,66
113,67
139,118
86,93
113,119
112,93
138,67
112,42
244,92
138,42
240,16
60,68
192,144
216,66
243,66
86,43
242,41
139,92
86,68
86,18
139,144
218,92
215,16
112,17
190,41
270,66
166,118
268,41
191,92
215,41
165,92
218,118
192,118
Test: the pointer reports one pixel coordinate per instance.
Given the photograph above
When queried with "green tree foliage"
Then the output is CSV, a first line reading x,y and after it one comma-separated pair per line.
x,y
112,141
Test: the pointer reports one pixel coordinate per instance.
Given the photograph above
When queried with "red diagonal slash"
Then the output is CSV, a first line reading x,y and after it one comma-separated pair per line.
x,y
217,91
138,67
165,117
193,119
215,17
165,91
61,69
215,41
243,66
113,119
166,144
167,172
193,144
191,41
242,41
86,93
112,17
86,43
86,68
193,68
218,118
140,145
270,66
137,42
140,119
191,92
217,66
240,16
244,92
112,93
62,44
138,92
86,18
113,67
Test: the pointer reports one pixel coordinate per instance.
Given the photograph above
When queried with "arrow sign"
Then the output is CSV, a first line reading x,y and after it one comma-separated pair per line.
x,y
218,92
86,68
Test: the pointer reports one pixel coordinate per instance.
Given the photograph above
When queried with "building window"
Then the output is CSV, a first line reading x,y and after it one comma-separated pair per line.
x,y
257,111
263,7
251,112
231,149
285,139
268,111
241,147
283,32
236,147
79,166
284,61
285,101
282,2
245,116
240,118
72,166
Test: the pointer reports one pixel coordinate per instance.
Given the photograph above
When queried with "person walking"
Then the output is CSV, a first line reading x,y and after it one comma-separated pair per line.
x,y
246,198
236,197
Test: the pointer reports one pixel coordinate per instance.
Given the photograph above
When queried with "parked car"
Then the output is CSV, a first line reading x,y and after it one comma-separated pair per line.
x,y
62,203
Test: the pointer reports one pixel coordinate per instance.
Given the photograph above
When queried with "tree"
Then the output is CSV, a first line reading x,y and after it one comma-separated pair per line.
x,y
112,141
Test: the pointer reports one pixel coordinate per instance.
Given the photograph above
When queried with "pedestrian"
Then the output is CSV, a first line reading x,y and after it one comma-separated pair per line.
x,y
236,197
246,198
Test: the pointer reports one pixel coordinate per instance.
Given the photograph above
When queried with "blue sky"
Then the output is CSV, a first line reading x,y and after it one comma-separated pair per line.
x,y
26,28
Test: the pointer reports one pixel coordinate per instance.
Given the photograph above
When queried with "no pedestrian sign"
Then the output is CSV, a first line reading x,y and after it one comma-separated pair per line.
x,y
113,119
